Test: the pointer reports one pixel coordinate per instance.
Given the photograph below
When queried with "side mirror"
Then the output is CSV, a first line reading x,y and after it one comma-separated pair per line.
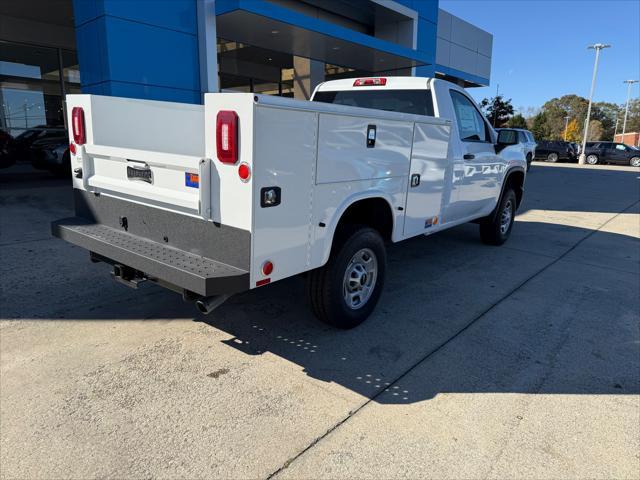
x,y
507,137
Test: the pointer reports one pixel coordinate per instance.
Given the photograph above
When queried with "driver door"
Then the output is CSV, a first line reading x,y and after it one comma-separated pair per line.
x,y
481,165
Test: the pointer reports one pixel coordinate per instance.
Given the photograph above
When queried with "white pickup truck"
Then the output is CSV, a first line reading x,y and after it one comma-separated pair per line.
x,y
245,190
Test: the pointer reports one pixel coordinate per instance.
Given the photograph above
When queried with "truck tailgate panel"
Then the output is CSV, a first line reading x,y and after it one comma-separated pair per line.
x,y
198,274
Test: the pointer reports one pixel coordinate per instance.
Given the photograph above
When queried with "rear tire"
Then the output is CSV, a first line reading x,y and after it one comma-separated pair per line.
x,y
552,157
529,160
344,292
496,229
592,159
635,162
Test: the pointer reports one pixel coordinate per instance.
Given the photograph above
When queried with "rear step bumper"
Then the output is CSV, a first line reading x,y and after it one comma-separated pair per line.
x,y
186,270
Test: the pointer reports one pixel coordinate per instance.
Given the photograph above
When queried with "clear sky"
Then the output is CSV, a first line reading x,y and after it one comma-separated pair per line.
x,y
540,47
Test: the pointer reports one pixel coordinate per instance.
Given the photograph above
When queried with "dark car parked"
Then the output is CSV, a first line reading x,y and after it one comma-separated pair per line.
x,y
612,152
6,145
21,148
52,154
554,151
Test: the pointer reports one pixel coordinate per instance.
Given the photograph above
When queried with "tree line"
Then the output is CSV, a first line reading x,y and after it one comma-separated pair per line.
x,y
551,120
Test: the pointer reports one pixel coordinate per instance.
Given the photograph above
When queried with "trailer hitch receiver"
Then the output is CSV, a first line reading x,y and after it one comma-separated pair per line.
x,y
127,276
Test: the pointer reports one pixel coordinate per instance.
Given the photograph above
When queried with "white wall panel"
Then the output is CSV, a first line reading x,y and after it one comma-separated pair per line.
x,y
463,59
463,33
443,52
484,42
484,66
444,24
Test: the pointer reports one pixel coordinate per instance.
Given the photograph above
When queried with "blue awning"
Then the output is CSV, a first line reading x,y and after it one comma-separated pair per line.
x,y
263,24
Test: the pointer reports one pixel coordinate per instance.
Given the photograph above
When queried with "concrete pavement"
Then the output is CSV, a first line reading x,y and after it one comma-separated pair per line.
x,y
520,361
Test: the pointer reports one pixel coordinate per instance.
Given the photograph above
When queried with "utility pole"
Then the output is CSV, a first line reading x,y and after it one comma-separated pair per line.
x,y
597,47
566,125
626,108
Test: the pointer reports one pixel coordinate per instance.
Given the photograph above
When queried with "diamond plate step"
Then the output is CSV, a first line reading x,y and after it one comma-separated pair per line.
x,y
193,272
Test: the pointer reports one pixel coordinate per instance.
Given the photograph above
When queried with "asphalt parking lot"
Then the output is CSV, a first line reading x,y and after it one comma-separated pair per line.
x,y
480,362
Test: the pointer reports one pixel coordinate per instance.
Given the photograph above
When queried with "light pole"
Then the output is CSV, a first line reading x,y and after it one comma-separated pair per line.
x,y
495,101
597,47
626,108
566,125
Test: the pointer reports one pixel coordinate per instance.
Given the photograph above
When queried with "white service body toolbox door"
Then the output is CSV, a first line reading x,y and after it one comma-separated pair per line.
x,y
428,183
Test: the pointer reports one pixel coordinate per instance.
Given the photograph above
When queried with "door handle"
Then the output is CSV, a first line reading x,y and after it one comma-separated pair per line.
x,y
468,156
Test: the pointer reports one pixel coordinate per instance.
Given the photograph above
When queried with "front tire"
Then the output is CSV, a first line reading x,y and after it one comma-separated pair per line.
x,y
552,157
496,229
529,160
635,162
592,159
345,291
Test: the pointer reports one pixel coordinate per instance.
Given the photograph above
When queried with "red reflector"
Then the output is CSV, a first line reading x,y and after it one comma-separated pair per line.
x,y
267,268
367,82
72,148
77,122
264,281
244,172
227,136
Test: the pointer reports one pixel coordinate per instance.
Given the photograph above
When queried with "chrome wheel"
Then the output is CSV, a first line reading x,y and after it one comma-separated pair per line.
x,y
592,159
505,217
360,278
552,157
635,162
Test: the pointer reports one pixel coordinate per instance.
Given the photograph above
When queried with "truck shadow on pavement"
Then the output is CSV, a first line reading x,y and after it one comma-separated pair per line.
x,y
535,316
564,331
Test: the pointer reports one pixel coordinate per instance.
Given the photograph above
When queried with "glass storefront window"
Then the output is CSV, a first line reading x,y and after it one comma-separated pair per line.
x,y
246,68
335,72
32,86
70,71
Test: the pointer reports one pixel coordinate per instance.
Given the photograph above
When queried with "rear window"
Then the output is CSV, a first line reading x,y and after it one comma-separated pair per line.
x,y
418,102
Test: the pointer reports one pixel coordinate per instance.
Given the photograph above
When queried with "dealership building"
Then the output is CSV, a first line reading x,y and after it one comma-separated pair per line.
x,y
176,50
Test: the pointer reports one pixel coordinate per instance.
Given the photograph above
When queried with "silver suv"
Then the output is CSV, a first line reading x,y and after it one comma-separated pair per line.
x,y
528,143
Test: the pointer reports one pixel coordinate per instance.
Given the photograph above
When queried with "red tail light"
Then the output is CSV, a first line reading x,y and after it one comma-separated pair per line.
x,y
227,136
369,82
77,122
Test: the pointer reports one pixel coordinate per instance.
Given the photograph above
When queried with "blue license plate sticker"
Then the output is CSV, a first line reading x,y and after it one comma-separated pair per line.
x,y
192,180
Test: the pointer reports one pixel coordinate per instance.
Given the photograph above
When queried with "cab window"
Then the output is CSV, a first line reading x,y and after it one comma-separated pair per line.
x,y
471,125
418,102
